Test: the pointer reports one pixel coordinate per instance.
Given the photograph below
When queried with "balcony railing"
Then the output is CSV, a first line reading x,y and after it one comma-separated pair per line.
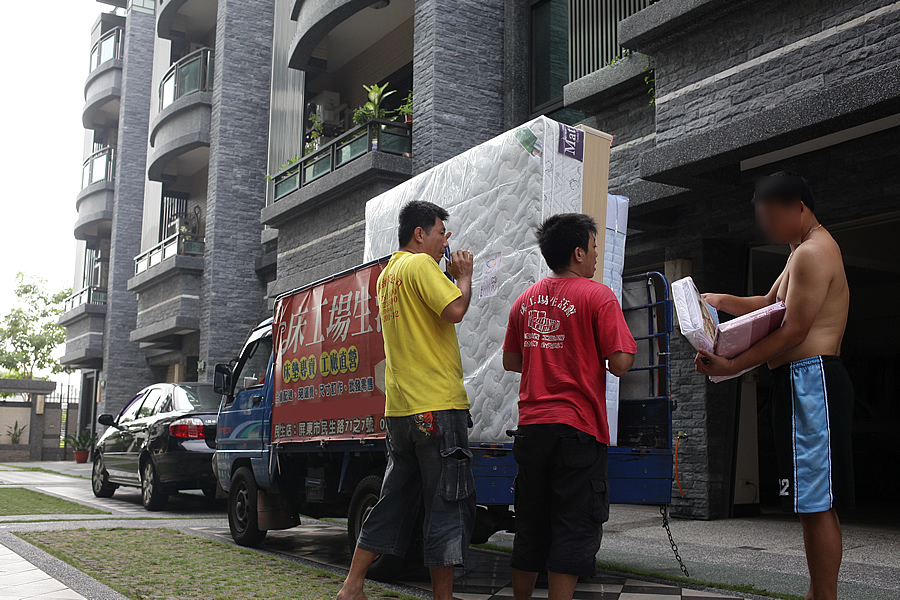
x,y
89,295
189,244
99,166
593,40
110,46
193,73
377,135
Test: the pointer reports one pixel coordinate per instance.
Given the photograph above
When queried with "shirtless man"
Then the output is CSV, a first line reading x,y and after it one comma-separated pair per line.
x,y
812,397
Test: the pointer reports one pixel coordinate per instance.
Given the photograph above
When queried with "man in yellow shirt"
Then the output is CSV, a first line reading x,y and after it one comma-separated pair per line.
x,y
426,408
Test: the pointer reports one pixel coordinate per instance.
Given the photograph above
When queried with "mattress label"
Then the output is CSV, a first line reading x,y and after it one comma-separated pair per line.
x,y
571,142
490,275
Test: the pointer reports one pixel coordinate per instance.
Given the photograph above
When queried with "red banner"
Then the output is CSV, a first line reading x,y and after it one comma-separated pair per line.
x,y
329,360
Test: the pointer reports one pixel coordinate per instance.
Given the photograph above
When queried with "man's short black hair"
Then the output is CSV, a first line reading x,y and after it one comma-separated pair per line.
x,y
418,213
786,187
559,235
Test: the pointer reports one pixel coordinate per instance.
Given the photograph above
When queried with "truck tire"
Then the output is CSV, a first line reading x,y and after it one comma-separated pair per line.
x,y
153,496
242,516
386,567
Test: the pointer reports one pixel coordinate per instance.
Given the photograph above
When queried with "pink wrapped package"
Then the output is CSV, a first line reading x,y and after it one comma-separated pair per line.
x,y
735,336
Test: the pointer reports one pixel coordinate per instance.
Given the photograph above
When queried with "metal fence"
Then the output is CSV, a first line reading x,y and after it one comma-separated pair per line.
x,y
593,42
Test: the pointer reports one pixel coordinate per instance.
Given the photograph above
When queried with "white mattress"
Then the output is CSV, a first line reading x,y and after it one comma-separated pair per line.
x,y
497,193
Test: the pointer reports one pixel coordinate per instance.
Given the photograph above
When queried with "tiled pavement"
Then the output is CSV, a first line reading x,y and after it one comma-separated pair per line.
x,y
21,580
485,577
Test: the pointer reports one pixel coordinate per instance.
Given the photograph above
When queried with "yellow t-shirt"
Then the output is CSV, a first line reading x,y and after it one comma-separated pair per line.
x,y
424,370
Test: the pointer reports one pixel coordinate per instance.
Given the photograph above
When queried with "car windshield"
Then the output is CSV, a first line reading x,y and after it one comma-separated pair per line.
x,y
197,397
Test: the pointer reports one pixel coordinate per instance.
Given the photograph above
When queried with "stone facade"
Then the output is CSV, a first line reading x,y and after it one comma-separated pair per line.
x,y
232,294
125,368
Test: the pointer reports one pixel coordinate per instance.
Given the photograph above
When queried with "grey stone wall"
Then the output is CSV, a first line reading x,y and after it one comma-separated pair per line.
x,y
742,40
232,295
125,368
176,295
457,77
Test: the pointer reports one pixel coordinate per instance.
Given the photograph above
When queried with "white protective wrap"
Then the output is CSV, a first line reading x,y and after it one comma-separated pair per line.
x,y
497,194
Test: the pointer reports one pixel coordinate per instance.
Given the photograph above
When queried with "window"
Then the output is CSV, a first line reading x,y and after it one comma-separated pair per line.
x,y
549,53
154,401
130,412
172,208
251,371
196,397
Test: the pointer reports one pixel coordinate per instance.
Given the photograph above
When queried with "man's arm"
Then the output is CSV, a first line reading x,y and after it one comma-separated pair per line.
x,y
461,270
741,305
806,294
512,361
619,363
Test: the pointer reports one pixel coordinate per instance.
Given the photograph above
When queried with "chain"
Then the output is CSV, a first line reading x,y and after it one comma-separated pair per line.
x,y
664,511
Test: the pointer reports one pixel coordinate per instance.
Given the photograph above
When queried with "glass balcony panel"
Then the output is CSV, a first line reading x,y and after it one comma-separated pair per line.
x,y
98,168
352,149
108,49
189,77
167,91
287,184
317,168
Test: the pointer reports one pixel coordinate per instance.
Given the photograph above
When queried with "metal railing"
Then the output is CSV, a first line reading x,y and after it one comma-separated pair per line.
x,y
111,45
193,73
189,244
593,42
99,166
377,135
89,295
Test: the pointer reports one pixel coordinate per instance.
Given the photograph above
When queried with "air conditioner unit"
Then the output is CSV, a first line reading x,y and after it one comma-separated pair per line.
x,y
328,107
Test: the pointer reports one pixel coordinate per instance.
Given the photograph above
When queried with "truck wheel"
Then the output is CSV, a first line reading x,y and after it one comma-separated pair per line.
x,y
152,494
386,567
242,516
100,479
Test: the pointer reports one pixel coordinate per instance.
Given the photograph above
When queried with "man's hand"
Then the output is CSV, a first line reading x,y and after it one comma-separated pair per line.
x,y
713,300
714,366
461,264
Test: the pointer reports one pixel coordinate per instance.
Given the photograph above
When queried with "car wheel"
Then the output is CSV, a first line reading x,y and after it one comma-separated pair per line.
x,y
100,479
386,567
152,494
242,515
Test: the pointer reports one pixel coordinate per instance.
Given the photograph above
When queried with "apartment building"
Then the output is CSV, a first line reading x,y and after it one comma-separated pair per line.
x,y
208,191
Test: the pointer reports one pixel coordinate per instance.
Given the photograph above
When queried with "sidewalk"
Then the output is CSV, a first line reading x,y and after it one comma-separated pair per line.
x,y
19,579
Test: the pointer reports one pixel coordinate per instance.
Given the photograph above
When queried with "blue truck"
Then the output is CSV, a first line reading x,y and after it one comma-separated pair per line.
x,y
274,472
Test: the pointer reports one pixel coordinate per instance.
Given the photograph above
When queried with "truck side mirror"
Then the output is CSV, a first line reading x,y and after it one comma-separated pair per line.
x,y
222,379
107,420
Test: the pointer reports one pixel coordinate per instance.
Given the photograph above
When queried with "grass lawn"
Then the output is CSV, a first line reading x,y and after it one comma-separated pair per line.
x,y
21,501
163,563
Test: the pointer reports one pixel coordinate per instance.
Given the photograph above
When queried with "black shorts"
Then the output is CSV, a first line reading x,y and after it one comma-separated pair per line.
x,y
812,415
562,499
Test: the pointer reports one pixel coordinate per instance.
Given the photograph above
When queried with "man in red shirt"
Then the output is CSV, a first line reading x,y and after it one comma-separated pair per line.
x,y
564,332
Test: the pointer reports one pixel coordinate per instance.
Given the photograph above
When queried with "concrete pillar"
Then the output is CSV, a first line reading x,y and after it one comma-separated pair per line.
x,y
125,369
232,294
457,77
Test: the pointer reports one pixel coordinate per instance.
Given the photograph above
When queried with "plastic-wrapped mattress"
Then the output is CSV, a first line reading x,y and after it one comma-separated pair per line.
x,y
497,193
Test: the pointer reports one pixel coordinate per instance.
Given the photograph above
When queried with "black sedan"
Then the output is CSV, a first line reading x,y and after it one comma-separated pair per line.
x,y
159,444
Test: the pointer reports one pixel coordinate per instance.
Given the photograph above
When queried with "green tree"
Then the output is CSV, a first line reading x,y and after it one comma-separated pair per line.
x,y
30,332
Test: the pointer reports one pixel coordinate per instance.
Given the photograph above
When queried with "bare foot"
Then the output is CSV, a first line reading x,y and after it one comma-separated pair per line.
x,y
349,594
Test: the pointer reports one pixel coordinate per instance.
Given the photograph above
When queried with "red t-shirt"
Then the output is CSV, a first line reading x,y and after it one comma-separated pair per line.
x,y
565,327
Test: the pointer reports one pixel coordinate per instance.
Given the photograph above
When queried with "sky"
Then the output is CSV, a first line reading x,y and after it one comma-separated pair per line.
x,y
47,52
46,49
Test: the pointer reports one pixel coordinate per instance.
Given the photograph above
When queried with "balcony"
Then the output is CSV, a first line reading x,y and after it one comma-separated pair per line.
x,y
95,200
174,16
84,314
388,137
179,134
103,88
167,284
180,244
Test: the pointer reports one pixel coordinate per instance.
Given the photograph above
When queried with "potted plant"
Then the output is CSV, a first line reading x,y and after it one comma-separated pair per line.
x,y
81,445
15,432
406,109
372,109
314,135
